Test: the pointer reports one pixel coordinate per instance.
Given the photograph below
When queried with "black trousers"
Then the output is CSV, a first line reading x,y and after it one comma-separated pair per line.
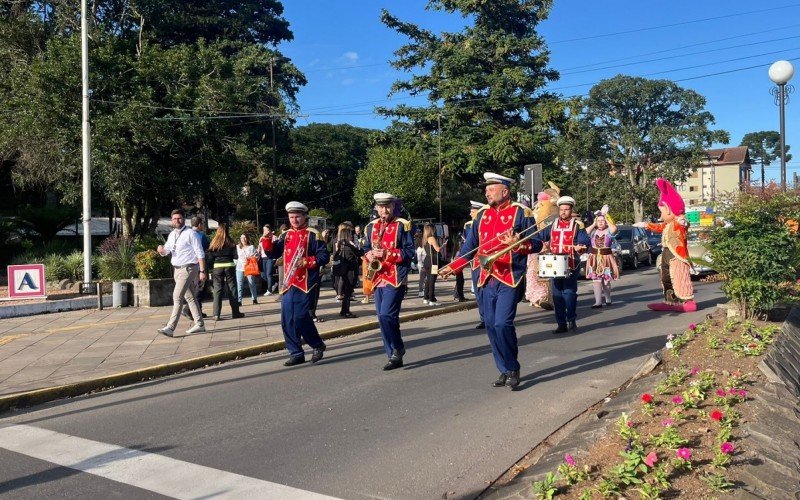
x,y
314,296
346,291
430,287
221,276
459,290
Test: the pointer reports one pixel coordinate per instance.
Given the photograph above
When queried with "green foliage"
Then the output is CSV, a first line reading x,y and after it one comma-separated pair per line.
x,y
545,489
670,438
757,252
151,265
319,212
118,263
717,481
46,221
398,170
60,261
240,227
764,148
674,379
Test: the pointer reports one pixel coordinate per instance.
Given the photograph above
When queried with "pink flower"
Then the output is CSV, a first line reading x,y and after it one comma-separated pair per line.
x,y
694,371
732,391
630,423
651,459
692,326
667,422
684,453
721,393
570,461
677,400
716,415
742,393
647,398
726,448
671,336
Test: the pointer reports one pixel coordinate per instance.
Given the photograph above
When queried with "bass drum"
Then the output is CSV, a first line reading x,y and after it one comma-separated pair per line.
x,y
554,266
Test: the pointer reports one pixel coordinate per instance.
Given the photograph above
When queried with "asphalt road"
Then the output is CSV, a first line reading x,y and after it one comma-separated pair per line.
x,y
342,428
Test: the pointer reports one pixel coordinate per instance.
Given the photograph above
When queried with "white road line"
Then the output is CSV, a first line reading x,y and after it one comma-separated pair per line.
x,y
167,476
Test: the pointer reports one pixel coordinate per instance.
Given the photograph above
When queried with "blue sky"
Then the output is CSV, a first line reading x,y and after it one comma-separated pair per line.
x,y
345,50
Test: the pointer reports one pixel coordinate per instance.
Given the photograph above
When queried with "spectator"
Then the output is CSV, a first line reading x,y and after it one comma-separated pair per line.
x,y
422,272
314,292
347,265
189,264
431,264
267,264
221,255
244,250
279,260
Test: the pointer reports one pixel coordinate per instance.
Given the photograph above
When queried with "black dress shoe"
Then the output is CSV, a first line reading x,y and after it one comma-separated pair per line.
x,y
393,364
318,353
480,326
573,326
237,315
560,329
597,306
501,381
513,379
295,360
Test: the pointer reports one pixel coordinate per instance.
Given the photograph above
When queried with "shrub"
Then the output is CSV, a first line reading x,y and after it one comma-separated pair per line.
x,y
757,251
116,261
55,268
240,227
73,264
150,265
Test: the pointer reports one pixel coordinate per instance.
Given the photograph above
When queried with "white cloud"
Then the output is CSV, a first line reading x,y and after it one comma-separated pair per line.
x,y
350,57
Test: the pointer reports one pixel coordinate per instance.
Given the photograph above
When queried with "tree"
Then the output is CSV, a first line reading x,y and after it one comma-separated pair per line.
x,y
483,86
401,171
764,148
324,161
648,129
181,95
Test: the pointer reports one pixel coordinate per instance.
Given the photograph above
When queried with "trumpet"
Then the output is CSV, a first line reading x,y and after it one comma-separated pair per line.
x,y
486,261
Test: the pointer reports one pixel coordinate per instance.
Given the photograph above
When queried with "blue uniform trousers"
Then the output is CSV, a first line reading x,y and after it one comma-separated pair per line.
x,y
498,304
387,305
476,273
565,298
296,322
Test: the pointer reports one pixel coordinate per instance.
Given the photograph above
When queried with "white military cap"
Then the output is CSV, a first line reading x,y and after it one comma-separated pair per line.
x,y
566,200
493,178
476,205
296,206
383,198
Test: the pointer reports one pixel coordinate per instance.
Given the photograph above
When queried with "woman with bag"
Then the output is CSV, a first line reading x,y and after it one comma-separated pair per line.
x,y
431,264
219,258
346,266
247,267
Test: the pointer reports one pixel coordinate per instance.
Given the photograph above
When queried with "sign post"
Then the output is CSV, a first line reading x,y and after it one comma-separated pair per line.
x,y
26,282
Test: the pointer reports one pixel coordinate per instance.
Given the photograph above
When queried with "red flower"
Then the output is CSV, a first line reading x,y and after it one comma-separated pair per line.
x,y
716,415
647,398
721,393
726,448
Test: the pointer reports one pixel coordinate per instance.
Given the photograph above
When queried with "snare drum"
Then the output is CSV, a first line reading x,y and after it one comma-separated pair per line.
x,y
554,266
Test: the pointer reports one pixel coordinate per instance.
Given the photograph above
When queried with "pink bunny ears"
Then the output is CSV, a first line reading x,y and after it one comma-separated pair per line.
x,y
669,197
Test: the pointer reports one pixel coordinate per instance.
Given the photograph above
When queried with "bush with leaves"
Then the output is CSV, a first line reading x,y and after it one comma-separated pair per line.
x,y
116,260
150,265
758,250
248,227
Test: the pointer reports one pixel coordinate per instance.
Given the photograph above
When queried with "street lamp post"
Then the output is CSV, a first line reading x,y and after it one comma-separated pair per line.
x,y
86,147
780,73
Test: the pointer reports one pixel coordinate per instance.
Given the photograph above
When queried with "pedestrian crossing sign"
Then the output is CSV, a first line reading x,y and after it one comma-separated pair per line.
x,y
26,282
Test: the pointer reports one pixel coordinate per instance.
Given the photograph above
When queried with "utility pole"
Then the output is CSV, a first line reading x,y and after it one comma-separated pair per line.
x,y
274,152
86,154
439,147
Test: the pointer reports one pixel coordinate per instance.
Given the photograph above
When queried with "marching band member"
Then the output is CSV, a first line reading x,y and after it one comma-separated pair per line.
x,y
389,248
497,226
566,237
303,255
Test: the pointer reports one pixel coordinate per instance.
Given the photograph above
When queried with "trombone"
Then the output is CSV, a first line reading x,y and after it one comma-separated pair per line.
x,y
490,242
486,261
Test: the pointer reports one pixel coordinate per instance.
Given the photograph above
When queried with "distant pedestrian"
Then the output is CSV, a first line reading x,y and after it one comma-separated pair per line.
x,y
279,260
189,264
420,253
267,264
347,266
245,250
430,264
221,256
199,226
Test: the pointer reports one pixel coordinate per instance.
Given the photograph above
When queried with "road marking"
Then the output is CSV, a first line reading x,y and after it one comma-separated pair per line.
x,y
10,338
148,471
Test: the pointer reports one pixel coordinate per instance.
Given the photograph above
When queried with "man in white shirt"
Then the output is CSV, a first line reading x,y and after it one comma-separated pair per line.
x,y
189,263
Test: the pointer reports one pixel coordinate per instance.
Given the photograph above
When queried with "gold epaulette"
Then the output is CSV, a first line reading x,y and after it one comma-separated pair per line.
x,y
468,224
525,210
406,223
316,233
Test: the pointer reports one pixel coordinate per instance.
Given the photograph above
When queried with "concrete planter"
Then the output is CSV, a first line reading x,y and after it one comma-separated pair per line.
x,y
152,293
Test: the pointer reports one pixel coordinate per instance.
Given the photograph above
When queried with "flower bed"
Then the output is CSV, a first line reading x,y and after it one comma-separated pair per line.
x,y
683,437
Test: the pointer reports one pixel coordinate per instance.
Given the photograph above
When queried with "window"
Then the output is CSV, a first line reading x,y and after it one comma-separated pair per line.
x,y
693,188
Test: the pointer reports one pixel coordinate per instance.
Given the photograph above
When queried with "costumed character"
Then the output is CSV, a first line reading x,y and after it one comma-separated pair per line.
x,y
538,290
303,255
675,270
494,239
601,267
566,236
389,249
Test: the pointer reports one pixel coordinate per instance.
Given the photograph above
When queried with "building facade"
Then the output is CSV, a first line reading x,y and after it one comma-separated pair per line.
x,y
722,172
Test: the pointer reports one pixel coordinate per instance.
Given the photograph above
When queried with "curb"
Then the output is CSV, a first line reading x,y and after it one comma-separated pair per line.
x,y
53,306
39,396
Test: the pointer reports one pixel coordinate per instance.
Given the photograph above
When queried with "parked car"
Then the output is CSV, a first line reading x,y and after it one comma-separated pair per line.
x,y
634,248
654,240
615,250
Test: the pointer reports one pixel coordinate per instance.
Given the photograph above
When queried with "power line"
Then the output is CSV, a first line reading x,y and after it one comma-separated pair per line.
x,y
672,25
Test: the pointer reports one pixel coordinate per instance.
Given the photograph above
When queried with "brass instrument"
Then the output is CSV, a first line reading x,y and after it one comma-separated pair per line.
x,y
374,265
288,275
486,261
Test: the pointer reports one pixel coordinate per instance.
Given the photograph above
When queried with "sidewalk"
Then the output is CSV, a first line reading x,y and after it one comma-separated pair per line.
x,y
50,356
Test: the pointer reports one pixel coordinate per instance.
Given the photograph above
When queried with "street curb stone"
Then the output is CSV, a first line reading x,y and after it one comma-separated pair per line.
x,y
52,306
38,396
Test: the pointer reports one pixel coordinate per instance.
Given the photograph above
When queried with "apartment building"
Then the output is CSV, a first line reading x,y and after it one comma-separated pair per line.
x,y
723,171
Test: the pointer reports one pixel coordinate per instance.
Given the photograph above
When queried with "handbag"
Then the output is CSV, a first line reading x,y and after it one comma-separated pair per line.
x,y
251,266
